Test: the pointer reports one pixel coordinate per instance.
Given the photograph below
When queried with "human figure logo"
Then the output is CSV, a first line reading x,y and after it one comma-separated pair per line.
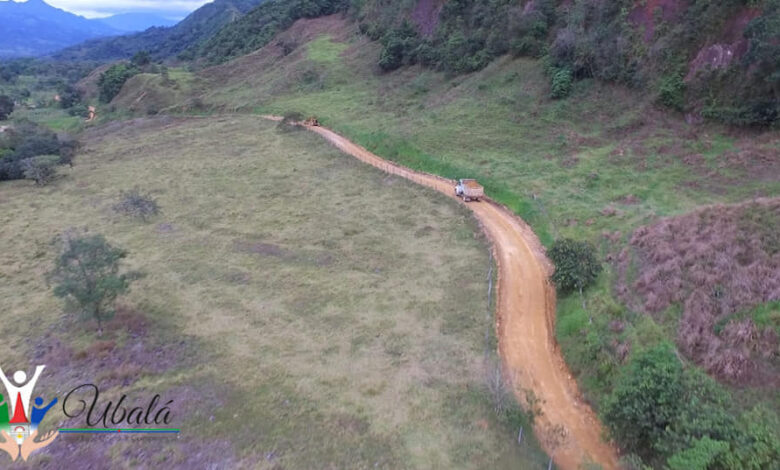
x,y
18,419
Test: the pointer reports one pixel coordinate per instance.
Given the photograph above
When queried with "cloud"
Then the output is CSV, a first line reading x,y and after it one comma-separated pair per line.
x,y
99,8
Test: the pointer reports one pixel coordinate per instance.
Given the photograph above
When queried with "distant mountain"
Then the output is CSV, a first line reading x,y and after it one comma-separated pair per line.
x,y
162,43
34,28
133,22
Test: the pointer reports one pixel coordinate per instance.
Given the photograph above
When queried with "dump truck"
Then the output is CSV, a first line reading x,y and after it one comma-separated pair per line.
x,y
469,190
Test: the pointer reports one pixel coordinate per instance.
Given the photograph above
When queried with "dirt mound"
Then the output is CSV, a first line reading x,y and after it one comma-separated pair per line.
x,y
717,264
149,94
88,86
286,43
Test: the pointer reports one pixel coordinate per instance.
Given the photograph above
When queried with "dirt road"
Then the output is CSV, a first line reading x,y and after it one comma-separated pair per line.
x,y
526,322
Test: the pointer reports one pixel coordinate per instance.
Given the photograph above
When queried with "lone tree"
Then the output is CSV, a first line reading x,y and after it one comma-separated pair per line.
x,y
576,266
6,107
87,272
41,169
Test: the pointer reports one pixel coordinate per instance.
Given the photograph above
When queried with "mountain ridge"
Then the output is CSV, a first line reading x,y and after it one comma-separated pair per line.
x,y
34,28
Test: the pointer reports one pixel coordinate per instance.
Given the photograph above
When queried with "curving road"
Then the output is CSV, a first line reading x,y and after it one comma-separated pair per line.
x,y
526,323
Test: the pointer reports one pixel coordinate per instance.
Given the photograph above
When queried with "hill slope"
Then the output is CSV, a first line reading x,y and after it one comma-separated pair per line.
x,y
164,42
600,165
35,28
717,60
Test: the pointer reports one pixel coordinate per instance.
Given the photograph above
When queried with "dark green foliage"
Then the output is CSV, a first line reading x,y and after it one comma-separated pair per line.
x,y
603,40
87,272
400,45
576,266
756,445
672,91
664,412
69,96
40,169
80,110
701,456
112,80
26,140
6,107
561,84
646,399
258,27
141,58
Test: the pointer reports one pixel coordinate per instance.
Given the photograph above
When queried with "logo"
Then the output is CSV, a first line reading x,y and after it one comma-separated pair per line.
x,y
19,420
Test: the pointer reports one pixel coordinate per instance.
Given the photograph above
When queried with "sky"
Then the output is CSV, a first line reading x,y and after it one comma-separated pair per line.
x,y
174,9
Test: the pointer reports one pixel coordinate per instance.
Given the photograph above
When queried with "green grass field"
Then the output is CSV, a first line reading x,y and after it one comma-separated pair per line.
x,y
327,315
599,164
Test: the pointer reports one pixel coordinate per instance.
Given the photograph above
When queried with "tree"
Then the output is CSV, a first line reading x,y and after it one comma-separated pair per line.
x,y
576,266
141,58
112,80
40,169
6,107
69,96
646,399
87,272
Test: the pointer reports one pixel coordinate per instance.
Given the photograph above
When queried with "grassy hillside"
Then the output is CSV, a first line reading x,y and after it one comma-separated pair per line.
x,y
302,309
596,166
716,60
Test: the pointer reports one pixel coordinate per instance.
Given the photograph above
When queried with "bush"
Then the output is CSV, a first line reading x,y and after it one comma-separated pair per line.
x,y
41,169
291,122
133,203
561,84
141,58
6,107
645,400
701,456
576,266
672,91
69,96
399,47
112,80
80,110
87,272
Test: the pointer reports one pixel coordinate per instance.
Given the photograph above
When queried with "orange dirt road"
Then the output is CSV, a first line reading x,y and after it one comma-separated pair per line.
x,y
525,319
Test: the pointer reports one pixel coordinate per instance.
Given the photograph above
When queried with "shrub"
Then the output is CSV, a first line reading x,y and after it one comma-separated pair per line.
x,y
41,169
6,107
672,91
645,400
87,272
141,58
291,122
69,96
133,203
80,110
576,266
561,84
399,46
701,456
